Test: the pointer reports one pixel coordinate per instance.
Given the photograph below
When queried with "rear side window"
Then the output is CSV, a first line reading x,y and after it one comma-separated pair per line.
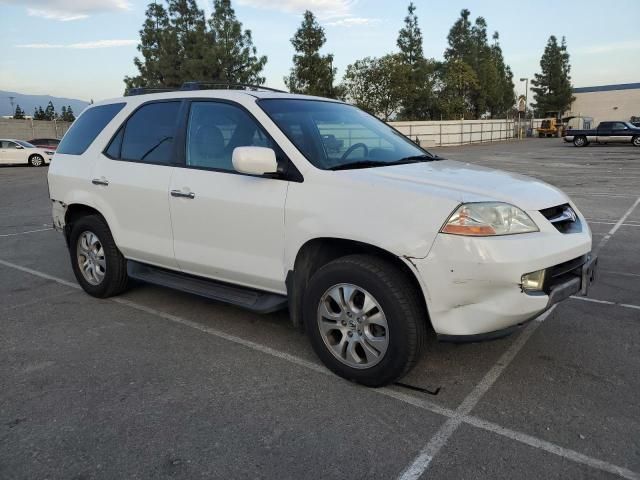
x,y
87,127
148,135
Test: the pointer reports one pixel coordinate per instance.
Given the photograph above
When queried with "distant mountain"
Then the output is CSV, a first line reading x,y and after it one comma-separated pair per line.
x,y
29,102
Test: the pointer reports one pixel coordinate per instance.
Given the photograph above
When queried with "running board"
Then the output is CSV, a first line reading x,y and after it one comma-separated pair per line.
x,y
254,300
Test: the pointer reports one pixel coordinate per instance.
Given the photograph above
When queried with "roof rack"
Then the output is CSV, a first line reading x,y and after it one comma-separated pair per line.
x,y
186,86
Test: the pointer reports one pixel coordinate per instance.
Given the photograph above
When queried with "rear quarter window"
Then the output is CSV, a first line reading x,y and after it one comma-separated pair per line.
x,y
87,127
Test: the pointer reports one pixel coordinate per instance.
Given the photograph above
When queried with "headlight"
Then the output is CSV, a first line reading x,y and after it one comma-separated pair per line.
x,y
488,218
49,152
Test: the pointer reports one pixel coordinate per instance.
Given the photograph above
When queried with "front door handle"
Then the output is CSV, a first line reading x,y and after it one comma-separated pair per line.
x,y
181,194
100,181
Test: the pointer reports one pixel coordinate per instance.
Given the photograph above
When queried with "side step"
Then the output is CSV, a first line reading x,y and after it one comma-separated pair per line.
x,y
254,300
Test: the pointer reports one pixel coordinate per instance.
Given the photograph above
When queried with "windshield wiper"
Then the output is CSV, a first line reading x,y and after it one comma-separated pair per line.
x,y
414,159
361,164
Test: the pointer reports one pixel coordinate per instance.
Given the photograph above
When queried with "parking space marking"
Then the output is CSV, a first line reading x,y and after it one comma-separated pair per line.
x,y
22,233
540,444
606,302
618,224
423,459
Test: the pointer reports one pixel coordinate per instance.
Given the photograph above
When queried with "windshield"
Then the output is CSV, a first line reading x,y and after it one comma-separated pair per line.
x,y
25,144
335,135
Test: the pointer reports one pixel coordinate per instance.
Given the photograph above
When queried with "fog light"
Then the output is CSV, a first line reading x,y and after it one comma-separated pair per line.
x,y
533,280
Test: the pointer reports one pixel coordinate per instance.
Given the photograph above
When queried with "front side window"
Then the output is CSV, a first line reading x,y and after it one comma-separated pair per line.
x,y
215,129
334,136
148,135
87,127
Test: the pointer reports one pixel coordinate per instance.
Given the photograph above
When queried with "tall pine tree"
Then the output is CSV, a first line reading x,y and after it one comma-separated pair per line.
x,y
50,112
312,73
19,113
160,64
552,86
418,98
236,58
188,31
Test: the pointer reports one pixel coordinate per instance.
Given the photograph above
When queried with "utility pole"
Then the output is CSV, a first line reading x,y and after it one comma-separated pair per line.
x,y
526,96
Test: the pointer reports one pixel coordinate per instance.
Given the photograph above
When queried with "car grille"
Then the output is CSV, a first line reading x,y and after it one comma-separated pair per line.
x,y
563,217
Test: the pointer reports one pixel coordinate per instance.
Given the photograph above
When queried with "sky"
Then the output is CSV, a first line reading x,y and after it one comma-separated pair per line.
x,y
84,48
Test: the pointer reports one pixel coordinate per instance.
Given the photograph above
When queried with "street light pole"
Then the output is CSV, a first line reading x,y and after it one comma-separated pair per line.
x,y
526,96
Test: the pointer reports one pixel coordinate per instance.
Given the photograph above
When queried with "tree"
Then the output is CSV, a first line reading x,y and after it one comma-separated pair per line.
x,y
70,115
312,73
459,82
468,43
50,112
376,85
552,87
233,50
179,45
158,45
503,98
19,113
418,98
38,114
410,38
63,114
188,48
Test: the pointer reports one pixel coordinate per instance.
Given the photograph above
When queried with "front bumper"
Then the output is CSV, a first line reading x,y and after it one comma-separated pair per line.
x,y
473,286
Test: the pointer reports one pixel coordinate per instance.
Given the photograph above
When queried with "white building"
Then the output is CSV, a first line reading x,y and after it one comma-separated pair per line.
x,y
606,102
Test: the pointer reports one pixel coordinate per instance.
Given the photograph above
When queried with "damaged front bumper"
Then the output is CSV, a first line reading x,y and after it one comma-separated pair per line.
x,y
473,286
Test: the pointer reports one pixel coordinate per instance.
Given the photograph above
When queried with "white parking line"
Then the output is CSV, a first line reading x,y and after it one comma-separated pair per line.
x,y
615,228
606,302
422,460
22,233
439,440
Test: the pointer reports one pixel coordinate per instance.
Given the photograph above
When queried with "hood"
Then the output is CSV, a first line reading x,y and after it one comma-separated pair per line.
x,y
472,183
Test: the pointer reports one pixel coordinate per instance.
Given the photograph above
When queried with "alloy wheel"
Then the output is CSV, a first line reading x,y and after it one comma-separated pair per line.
x,y
91,258
353,326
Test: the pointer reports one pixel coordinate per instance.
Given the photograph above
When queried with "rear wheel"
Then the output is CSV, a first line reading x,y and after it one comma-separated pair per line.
x,y
580,141
636,141
365,319
98,265
36,161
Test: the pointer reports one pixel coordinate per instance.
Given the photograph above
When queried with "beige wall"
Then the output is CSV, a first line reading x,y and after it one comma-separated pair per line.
x,y
28,129
601,105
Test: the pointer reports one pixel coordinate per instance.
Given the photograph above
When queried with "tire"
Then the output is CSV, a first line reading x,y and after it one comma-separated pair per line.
x,y
636,141
580,141
347,330
36,161
91,240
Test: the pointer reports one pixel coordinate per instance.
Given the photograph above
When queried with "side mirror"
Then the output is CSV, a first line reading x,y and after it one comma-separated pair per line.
x,y
254,160
19,147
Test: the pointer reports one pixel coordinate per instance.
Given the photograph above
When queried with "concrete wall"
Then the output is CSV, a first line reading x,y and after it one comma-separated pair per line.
x,y
607,105
457,132
28,129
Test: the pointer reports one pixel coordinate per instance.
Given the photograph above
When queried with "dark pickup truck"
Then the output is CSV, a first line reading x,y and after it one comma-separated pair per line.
x,y
607,132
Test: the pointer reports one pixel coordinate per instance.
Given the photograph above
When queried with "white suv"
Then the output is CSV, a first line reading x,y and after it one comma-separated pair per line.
x,y
269,200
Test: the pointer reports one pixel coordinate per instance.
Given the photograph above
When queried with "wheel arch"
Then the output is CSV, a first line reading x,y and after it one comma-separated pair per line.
x,y
319,251
74,212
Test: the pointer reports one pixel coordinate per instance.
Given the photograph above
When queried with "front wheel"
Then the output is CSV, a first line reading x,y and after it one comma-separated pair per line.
x,y
636,141
365,319
580,141
98,265
36,161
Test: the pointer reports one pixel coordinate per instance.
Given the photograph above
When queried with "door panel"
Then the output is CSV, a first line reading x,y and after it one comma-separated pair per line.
x,y
131,180
226,226
137,206
232,229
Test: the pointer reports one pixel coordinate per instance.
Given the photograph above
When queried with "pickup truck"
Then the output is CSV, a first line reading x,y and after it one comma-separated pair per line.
x,y
607,132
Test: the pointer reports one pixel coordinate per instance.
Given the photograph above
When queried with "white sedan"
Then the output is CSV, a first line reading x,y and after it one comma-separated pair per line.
x,y
18,151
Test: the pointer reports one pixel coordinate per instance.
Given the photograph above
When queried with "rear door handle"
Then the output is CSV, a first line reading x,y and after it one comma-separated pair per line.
x,y
181,194
100,181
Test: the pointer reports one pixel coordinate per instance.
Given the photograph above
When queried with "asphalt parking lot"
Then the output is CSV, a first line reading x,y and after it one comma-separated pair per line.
x,y
161,384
